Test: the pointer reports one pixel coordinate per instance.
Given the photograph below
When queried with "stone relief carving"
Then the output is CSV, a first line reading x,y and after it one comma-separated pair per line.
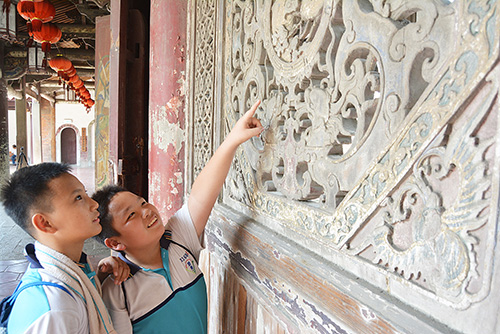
x,y
330,87
203,96
441,204
358,97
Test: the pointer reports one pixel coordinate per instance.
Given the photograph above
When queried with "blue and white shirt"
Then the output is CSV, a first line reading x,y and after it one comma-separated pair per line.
x,y
48,309
172,299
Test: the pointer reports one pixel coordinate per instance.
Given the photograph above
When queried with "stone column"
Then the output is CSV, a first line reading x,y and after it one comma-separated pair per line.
x,y
21,122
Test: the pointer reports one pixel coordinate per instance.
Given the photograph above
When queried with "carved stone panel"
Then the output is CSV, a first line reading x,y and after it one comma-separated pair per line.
x,y
381,149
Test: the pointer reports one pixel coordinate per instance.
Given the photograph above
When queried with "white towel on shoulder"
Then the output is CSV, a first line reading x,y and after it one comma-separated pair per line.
x,y
64,269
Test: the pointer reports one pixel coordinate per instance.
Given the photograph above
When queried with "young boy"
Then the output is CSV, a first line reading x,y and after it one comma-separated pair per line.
x,y
167,291
51,204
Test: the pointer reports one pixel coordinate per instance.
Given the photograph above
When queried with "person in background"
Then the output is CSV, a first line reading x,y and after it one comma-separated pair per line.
x,y
13,154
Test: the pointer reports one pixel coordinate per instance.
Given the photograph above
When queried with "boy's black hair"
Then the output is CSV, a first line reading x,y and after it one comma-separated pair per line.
x,y
103,197
28,190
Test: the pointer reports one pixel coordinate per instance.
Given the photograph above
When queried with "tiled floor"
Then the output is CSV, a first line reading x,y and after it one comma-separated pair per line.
x,y
13,240
10,274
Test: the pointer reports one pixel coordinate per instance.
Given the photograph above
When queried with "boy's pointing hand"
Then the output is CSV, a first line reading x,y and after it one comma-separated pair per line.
x,y
246,127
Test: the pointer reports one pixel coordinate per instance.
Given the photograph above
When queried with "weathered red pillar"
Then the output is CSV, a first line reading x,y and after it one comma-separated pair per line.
x,y
167,104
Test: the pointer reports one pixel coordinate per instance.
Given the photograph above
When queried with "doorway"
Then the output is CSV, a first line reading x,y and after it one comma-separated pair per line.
x,y
68,146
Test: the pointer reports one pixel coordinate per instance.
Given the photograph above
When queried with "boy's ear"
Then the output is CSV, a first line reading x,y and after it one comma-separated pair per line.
x,y
114,244
40,223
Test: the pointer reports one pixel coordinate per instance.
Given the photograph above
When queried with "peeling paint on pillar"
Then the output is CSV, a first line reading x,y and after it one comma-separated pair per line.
x,y
167,104
166,131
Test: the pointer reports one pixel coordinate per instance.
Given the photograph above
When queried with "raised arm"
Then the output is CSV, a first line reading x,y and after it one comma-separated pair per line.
x,y
208,184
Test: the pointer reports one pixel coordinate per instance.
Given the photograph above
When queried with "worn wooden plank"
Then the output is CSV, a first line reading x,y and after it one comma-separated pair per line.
x,y
296,286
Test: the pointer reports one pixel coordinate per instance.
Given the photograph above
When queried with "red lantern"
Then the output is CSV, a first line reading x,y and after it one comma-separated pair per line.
x,y
88,104
81,90
43,13
74,79
48,34
28,5
21,12
70,73
77,85
85,95
60,64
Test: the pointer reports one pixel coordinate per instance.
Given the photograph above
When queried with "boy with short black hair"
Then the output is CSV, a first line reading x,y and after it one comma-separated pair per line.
x,y
167,291
52,205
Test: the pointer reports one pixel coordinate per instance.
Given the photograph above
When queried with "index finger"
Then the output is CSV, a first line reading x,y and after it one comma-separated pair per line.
x,y
252,110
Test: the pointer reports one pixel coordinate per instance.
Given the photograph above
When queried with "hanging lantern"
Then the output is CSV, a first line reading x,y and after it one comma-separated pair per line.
x,y
74,79
69,73
21,12
60,64
88,104
80,91
28,5
48,34
77,85
43,13
85,95
25,15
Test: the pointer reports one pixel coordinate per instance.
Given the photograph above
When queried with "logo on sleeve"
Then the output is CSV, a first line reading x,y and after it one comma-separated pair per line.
x,y
188,264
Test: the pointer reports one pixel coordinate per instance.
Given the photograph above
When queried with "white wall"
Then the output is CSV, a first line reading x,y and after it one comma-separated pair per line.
x,y
35,125
76,115
12,128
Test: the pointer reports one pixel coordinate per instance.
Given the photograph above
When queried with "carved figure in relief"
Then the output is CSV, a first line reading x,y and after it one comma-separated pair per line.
x,y
440,234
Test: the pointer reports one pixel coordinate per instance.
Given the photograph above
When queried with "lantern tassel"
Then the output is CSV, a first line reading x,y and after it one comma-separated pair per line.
x,y
36,24
46,47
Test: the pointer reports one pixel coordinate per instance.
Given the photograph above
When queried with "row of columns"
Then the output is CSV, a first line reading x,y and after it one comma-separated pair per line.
x,y
32,142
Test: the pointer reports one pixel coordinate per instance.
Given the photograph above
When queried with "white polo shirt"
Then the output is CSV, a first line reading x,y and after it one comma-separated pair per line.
x,y
168,300
48,309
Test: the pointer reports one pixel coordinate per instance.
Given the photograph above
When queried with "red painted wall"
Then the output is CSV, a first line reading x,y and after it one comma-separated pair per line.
x,y
167,104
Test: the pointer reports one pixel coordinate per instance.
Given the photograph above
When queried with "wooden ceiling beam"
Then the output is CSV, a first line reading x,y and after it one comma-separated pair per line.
x,y
71,54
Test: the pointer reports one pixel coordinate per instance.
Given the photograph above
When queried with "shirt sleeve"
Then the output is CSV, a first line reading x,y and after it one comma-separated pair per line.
x,y
47,310
184,232
56,322
114,300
